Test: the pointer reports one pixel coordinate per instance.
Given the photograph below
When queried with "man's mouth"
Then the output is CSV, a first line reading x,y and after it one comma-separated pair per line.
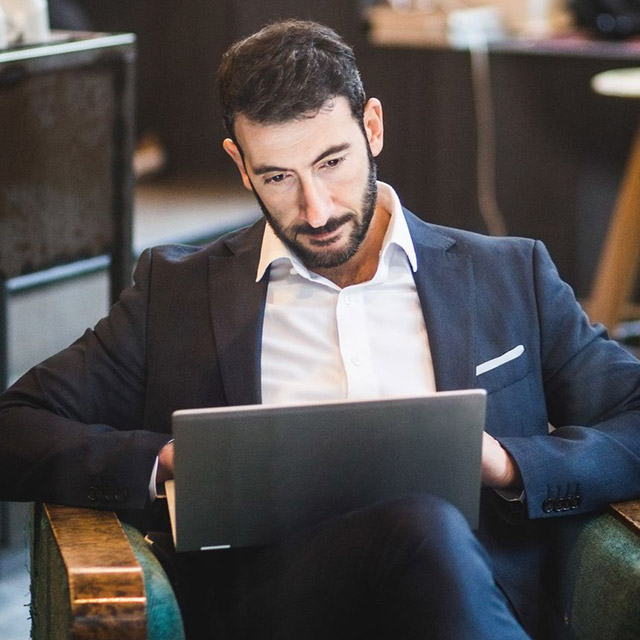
x,y
325,238
327,234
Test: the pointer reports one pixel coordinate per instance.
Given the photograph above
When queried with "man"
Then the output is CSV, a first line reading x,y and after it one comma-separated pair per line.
x,y
343,294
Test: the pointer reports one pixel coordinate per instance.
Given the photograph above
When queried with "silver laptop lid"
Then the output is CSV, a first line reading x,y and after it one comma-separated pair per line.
x,y
249,475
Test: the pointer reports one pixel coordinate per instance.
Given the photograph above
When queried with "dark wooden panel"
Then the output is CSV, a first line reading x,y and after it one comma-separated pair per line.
x,y
429,152
179,48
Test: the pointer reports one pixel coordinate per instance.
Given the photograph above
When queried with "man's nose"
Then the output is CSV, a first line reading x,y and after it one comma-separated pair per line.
x,y
315,204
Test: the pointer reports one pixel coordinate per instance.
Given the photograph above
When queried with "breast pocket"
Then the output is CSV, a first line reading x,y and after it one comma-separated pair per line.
x,y
503,370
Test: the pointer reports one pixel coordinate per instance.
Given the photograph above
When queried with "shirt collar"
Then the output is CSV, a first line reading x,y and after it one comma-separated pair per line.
x,y
398,229
274,249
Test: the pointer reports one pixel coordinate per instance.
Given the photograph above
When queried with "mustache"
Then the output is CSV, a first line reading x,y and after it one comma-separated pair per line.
x,y
306,229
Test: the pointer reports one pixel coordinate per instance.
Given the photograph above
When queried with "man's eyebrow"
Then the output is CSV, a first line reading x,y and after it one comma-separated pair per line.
x,y
331,150
263,168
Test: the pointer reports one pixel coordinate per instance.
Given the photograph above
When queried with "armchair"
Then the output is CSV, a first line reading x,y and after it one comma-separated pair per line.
x,y
600,583
94,578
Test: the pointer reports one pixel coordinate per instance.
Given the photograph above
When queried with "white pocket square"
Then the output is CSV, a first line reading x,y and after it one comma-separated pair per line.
x,y
510,355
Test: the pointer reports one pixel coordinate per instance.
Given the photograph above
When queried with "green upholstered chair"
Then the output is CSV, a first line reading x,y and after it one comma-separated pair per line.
x,y
600,584
95,578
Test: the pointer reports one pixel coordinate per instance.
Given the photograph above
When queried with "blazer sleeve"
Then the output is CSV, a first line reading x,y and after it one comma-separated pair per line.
x,y
71,428
592,393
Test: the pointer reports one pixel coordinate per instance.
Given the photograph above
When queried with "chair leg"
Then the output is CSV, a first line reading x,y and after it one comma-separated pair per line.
x,y
620,256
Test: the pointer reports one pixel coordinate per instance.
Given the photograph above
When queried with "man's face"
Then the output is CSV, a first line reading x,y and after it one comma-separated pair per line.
x,y
314,179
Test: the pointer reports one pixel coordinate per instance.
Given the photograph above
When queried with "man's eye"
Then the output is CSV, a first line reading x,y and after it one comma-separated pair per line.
x,y
334,162
275,179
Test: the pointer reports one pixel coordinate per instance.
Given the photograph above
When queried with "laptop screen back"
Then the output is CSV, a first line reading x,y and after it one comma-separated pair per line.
x,y
250,475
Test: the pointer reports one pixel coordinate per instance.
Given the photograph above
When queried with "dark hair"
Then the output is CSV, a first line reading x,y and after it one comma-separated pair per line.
x,y
285,71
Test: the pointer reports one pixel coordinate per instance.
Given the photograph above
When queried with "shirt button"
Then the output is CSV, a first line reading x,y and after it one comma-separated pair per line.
x,y
355,361
347,299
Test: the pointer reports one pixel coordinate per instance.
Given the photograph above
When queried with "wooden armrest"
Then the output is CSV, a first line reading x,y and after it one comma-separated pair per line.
x,y
105,581
629,513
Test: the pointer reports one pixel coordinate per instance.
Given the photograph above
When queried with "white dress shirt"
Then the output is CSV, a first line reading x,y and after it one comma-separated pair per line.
x,y
368,340
321,342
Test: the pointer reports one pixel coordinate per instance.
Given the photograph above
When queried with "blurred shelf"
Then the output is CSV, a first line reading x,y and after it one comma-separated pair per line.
x,y
189,209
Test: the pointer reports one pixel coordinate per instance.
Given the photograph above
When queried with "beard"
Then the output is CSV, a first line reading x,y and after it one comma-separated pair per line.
x,y
324,257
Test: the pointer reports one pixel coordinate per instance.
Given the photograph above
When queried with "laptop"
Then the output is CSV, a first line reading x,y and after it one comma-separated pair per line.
x,y
251,475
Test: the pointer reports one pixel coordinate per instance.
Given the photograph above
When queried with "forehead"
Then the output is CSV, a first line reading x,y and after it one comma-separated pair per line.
x,y
284,144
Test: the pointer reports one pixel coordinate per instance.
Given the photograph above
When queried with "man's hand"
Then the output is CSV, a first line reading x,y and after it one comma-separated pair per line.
x,y
498,468
165,463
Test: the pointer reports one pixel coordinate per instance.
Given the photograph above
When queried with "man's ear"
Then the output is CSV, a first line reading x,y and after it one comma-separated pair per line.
x,y
374,125
232,149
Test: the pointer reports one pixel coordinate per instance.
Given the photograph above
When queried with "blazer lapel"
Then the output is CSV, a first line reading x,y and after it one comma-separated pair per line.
x,y
444,281
237,310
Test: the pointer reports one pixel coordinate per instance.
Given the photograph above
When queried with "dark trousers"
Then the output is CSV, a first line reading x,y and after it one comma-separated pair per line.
x,y
405,569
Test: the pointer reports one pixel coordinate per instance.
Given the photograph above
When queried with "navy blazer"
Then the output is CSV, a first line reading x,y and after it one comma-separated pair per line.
x,y
85,426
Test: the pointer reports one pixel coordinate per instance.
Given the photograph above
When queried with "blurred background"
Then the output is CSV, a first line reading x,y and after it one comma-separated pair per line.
x,y
511,134
560,148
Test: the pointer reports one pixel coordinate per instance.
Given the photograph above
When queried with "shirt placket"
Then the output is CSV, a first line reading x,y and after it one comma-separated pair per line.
x,y
355,345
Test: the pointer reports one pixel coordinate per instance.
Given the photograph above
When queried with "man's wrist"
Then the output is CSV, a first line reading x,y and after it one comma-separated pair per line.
x,y
165,463
159,474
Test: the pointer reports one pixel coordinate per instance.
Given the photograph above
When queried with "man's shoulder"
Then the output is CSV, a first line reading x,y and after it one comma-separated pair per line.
x,y
239,240
466,242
